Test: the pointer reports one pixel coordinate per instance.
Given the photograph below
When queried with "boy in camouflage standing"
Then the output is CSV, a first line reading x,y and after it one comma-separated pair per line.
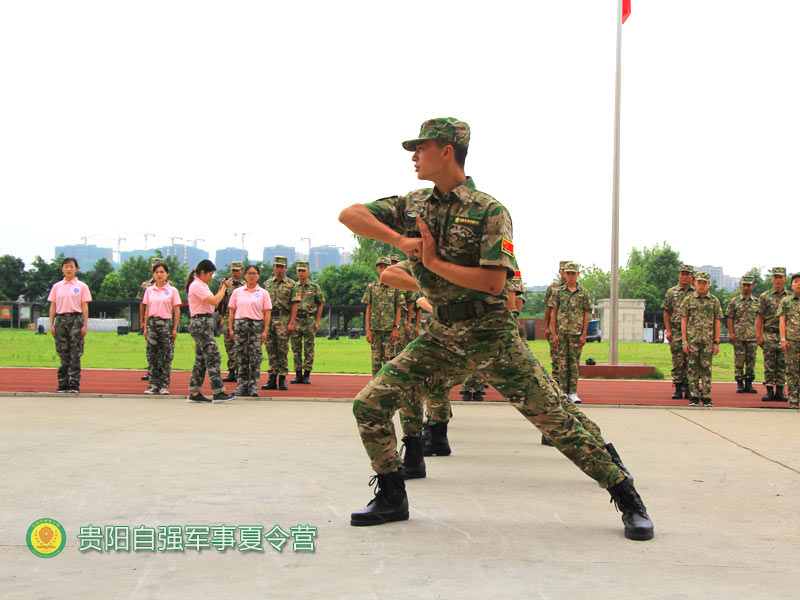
x,y
281,325
555,357
382,321
768,337
230,343
742,327
700,318
789,314
672,329
309,312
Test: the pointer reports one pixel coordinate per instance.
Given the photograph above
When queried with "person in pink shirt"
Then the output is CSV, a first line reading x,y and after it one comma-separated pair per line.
x,y
161,316
69,314
249,311
201,327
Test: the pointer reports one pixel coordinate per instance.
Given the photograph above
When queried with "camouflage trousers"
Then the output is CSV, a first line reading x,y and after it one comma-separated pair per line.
x,y
69,346
230,344
698,369
206,354
491,347
793,370
248,352
160,350
277,344
774,360
382,348
431,397
555,358
472,382
570,360
744,359
402,341
303,339
679,362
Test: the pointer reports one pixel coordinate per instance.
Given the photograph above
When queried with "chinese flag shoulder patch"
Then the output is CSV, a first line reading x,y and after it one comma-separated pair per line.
x,y
508,247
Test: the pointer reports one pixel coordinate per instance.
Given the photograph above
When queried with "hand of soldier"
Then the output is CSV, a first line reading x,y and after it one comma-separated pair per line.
x,y
428,251
582,341
316,326
760,340
716,349
394,335
408,329
555,340
733,337
685,348
410,246
369,336
547,333
668,334
416,330
290,328
174,334
785,346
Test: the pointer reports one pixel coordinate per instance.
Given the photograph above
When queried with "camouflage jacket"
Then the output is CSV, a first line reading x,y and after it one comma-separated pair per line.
x,y
223,304
768,303
281,293
743,313
672,304
145,285
470,227
383,301
310,297
701,311
551,289
410,296
571,308
790,308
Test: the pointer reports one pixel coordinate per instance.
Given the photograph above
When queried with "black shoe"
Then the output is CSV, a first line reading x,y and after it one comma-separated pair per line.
x,y
617,460
222,397
282,382
231,378
748,386
426,432
413,460
687,395
270,385
466,395
638,525
298,377
678,391
389,504
62,388
769,396
740,386
779,397
707,402
437,444
694,402
74,387
197,398
477,396
546,442
145,377
307,377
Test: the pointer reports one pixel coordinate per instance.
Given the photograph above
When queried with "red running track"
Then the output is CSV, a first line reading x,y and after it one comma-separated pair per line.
x,y
111,382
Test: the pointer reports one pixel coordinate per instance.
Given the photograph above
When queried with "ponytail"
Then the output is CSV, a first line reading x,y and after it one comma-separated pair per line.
x,y
189,279
204,266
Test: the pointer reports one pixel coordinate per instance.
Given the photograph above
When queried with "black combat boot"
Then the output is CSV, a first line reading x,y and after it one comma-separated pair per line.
x,y
282,382
298,377
617,460
231,376
270,385
686,393
707,402
546,442
748,386
779,397
477,395
466,395
413,460
740,386
638,525
145,377
437,444
389,504
678,391
307,377
426,432
769,396
694,401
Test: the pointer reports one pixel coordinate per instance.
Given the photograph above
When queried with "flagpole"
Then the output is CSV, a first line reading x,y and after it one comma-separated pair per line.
x,y
613,352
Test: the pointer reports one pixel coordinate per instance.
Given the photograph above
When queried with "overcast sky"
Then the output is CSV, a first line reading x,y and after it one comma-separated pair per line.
x,y
207,119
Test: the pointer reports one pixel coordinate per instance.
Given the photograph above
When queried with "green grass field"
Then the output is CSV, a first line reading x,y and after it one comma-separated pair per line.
x,y
112,351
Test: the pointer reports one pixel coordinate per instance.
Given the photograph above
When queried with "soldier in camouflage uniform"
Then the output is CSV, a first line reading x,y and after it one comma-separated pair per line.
x,y
459,242
570,306
284,313
154,260
700,318
741,315
309,312
555,356
230,343
768,337
789,315
519,300
382,321
672,329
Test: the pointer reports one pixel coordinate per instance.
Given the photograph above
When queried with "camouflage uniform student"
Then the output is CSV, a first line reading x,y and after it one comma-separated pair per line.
x,y
382,321
741,315
162,315
230,345
284,312
519,300
201,327
154,260
768,337
249,315
789,315
459,243
700,317
569,317
672,329
555,356
309,312
69,316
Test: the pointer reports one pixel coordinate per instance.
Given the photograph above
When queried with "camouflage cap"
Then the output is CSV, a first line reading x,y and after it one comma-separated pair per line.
x,y
779,271
684,268
237,264
155,260
748,280
702,276
279,260
302,265
382,260
795,276
444,128
562,264
571,267
394,258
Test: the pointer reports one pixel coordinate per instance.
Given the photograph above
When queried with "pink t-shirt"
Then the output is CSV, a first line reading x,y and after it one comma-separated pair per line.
x,y
68,295
250,304
197,291
160,301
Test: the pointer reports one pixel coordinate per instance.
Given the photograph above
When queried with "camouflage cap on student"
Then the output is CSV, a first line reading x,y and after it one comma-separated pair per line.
x,y
702,276
684,268
570,267
748,280
779,271
382,260
279,260
563,263
237,264
155,260
444,128
302,265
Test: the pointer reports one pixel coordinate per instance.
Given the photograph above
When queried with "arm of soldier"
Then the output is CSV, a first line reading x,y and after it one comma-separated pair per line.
x,y
397,277
585,327
684,327
319,316
760,330
53,318
553,322
292,317
358,219
730,330
716,336
547,311
398,313
667,326
367,319
417,316
782,326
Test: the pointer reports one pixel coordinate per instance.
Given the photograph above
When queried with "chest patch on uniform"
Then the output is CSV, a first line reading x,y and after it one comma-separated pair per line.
x,y
467,221
297,295
413,214
507,247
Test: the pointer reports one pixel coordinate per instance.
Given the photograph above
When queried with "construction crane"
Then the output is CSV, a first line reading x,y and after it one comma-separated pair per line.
x,y
119,249
194,241
146,235
172,239
85,238
243,236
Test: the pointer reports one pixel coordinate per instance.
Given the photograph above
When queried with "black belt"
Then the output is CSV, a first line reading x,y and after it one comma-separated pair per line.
x,y
159,319
204,315
69,314
772,330
461,311
276,312
303,314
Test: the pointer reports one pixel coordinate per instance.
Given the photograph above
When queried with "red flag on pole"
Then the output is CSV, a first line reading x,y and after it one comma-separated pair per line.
x,y
626,10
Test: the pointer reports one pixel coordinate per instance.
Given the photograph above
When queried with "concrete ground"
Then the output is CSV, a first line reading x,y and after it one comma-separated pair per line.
x,y
502,517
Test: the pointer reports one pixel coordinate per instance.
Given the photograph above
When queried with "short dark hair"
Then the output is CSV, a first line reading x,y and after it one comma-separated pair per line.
x,y
70,259
164,266
252,267
459,151
204,266
795,276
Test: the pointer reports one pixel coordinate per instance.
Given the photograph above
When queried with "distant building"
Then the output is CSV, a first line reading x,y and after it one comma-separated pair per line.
x,y
345,258
537,288
190,255
126,254
731,283
86,255
226,256
323,256
716,274
271,252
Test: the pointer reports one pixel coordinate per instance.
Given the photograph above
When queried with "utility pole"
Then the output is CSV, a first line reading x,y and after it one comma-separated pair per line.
x,y
147,235
309,247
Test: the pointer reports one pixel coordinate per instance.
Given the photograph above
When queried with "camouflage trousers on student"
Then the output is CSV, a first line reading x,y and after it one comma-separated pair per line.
x,y
383,350
247,337
555,358
793,370
679,362
277,344
206,355
570,354
472,383
698,369
303,340
744,359
230,344
491,347
774,360
160,350
69,346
